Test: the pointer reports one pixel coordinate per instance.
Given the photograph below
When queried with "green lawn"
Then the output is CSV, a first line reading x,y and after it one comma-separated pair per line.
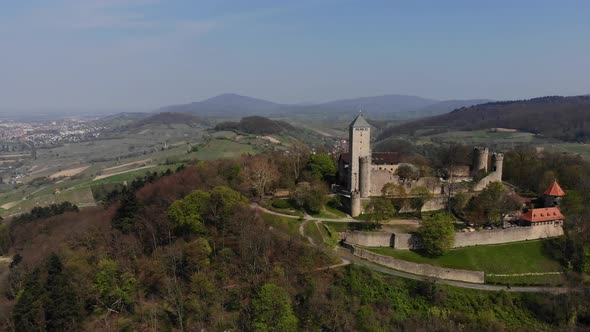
x,y
289,225
521,257
312,230
330,213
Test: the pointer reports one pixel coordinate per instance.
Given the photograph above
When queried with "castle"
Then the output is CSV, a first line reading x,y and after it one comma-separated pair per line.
x,y
365,173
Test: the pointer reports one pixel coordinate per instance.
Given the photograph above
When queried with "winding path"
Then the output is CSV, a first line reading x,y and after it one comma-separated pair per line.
x,y
348,257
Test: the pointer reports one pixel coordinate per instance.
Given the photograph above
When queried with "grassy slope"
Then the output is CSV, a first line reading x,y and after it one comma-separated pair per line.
x,y
521,257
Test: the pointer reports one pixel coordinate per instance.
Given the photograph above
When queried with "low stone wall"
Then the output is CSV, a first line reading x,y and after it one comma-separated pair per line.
x,y
406,241
427,270
369,239
515,234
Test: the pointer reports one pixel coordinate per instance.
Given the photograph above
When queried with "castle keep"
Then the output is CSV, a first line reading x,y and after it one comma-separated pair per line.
x,y
365,173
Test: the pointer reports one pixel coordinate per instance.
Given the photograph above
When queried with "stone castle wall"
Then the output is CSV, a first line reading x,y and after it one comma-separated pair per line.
x,y
515,234
427,270
405,241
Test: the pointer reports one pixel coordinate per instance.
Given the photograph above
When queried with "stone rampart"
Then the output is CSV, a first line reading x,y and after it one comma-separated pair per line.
x,y
515,234
370,239
427,270
406,241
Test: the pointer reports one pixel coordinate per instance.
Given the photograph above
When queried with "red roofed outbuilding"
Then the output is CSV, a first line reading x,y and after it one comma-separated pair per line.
x,y
542,216
553,195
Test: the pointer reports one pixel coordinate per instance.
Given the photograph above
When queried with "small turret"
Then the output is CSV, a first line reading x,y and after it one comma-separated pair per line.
x,y
553,195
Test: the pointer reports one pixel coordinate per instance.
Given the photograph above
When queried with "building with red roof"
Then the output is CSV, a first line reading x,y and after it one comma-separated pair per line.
x,y
542,216
553,195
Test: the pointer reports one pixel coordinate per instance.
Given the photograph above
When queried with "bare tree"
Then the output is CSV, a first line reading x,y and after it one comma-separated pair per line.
x,y
260,172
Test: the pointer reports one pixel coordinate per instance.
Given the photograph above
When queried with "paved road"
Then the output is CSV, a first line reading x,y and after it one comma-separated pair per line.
x,y
347,256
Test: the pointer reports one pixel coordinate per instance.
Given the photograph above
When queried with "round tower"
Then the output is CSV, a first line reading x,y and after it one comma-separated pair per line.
x,y
355,204
365,176
480,160
498,164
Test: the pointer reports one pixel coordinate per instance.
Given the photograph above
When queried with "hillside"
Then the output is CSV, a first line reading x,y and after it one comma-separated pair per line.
x,y
384,106
168,118
565,118
257,125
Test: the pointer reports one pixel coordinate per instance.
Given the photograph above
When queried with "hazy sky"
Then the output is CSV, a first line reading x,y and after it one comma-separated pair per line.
x,y
142,54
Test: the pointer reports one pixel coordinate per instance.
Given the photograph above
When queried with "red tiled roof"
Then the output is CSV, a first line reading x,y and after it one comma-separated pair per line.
x,y
555,190
378,158
543,214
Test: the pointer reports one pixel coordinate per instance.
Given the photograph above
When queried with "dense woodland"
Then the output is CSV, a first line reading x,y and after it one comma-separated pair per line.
x,y
565,118
257,125
185,251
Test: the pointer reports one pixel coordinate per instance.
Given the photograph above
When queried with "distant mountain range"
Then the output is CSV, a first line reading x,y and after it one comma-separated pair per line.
x,y
565,118
236,105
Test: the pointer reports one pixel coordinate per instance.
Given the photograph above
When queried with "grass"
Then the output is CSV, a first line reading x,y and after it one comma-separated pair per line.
x,y
312,230
330,213
224,149
329,236
551,280
289,225
512,258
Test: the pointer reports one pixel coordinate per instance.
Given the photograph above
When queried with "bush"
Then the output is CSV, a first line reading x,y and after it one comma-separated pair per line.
x,y
280,204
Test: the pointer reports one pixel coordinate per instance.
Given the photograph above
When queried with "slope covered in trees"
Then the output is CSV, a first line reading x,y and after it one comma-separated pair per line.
x,y
257,125
565,118
186,252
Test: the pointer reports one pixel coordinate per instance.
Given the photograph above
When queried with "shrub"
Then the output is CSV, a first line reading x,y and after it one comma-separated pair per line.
x,y
280,204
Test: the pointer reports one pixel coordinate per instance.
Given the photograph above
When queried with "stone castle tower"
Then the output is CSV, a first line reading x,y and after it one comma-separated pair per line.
x,y
359,182
480,160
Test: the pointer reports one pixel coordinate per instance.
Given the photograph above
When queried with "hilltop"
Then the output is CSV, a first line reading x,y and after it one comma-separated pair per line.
x,y
564,118
383,106
257,125
168,118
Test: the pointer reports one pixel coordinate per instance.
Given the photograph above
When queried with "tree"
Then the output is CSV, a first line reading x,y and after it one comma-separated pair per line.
x,y
322,166
393,190
296,158
491,205
381,209
114,287
260,172
28,311
187,214
125,216
62,311
224,201
310,197
407,173
420,195
272,310
437,234
573,203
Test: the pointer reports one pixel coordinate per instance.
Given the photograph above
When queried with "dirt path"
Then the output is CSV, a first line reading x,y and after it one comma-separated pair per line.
x,y
125,165
69,172
98,177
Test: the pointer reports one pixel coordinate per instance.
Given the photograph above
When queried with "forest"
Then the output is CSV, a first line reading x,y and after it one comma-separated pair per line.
x,y
184,251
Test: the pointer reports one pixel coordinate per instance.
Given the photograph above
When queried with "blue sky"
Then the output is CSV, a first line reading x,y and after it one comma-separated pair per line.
x,y
142,54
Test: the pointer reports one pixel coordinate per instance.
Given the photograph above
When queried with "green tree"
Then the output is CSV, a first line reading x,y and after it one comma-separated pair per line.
x,y
28,312
187,214
407,173
310,197
491,205
115,288
437,234
125,216
572,203
62,311
393,190
419,196
322,166
272,310
224,201
380,209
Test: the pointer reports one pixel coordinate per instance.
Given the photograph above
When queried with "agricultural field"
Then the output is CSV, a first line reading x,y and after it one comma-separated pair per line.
x,y
505,139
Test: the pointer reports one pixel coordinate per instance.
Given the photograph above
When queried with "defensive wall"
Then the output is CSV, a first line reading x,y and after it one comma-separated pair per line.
x,y
427,270
406,241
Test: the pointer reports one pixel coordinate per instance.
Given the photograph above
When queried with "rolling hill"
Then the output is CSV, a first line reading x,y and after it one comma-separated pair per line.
x,y
565,118
233,105
257,125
